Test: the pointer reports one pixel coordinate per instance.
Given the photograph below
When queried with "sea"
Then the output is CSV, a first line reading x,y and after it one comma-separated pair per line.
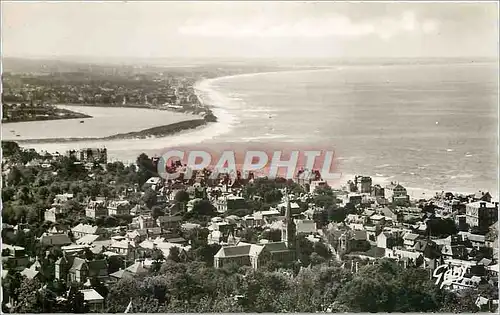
x,y
431,127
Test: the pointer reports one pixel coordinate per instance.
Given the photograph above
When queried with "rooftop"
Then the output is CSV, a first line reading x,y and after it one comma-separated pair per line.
x,y
91,295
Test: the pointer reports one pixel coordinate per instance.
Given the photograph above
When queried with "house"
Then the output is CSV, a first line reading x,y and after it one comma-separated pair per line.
x,y
408,258
34,271
119,207
74,250
222,238
51,214
396,194
293,206
363,184
169,222
315,184
60,199
230,202
163,246
261,218
377,219
58,229
454,252
144,222
138,268
55,239
76,269
410,239
31,273
124,248
88,239
394,190
482,196
190,226
481,214
154,183
93,300
477,240
137,236
306,226
428,248
354,241
176,240
355,219
371,254
377,191
14,257
386,240
81,230
96,208
353,198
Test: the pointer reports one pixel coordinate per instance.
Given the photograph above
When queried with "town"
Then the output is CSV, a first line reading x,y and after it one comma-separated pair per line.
x,y
32,97
83,234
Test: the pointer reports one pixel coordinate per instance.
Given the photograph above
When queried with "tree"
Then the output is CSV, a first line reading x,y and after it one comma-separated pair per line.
x,y
27,296
203,208
15,177
324,197
273,235
157,211
388,287
181,196
146,169
10,148
205,253
322,250
76,301
249,235
304,249
149,198
173,254
115,263
8,194
441,228
337,214
99,286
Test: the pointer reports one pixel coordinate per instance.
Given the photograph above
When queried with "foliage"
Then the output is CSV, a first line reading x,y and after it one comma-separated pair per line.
x,y
441,227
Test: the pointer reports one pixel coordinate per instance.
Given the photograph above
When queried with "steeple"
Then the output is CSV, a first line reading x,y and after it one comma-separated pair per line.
x,y
288,231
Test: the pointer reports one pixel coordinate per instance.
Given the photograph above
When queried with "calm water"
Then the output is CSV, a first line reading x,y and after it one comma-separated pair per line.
x,y
424,126
105,121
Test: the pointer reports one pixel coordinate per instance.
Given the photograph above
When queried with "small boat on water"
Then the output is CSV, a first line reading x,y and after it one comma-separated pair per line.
x,y
18,135
82,121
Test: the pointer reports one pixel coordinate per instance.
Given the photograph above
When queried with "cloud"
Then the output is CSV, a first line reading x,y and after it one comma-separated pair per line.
x,y
326,26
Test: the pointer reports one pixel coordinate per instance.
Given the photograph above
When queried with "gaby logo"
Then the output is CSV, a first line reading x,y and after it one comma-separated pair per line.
x,y
446,275
235,162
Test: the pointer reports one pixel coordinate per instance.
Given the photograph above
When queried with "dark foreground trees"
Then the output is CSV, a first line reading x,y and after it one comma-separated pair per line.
x,y
198,287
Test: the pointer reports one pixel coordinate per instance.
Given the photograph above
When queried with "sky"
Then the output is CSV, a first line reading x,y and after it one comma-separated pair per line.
x,y
249,29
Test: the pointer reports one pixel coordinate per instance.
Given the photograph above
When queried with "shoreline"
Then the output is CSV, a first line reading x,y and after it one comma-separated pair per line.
x,y
159,131
66,115
83,116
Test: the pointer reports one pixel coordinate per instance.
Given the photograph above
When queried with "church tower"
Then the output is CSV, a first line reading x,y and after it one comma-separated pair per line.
x,y
288,231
